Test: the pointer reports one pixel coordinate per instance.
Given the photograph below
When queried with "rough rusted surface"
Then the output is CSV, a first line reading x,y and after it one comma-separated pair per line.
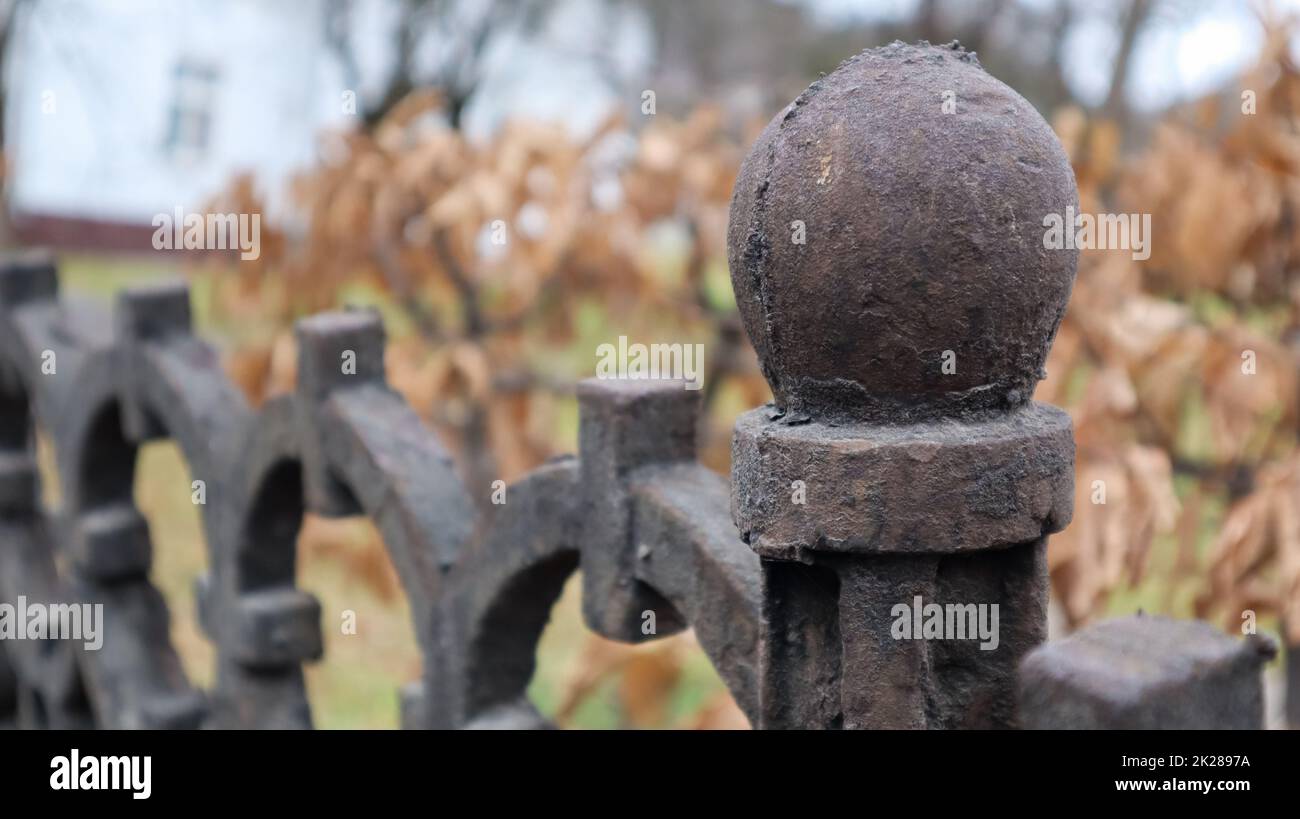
x,y
829,657
937,487
886,253
923,234
1144,672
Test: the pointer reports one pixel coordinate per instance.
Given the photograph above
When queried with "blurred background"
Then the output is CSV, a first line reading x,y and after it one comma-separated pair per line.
x,y
381,140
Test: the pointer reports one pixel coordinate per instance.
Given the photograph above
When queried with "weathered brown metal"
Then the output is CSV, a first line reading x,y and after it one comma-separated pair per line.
x,y
880,475
1146,673
921,238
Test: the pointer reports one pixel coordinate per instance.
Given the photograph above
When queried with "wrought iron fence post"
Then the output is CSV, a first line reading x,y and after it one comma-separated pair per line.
x,y
887,253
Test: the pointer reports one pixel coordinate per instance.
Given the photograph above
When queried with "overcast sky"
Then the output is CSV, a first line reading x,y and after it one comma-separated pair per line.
x,y
1187,49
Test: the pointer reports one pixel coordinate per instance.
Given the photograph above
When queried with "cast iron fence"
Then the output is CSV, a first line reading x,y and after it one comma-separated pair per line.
x,y
902,464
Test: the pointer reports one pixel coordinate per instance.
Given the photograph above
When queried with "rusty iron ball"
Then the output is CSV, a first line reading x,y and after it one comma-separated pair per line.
x,y
919,185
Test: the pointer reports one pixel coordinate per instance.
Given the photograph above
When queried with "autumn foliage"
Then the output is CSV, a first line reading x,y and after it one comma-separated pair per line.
x,y
1179,371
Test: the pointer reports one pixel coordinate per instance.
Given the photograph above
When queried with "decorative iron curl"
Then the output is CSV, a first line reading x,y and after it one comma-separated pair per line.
x,y
649,526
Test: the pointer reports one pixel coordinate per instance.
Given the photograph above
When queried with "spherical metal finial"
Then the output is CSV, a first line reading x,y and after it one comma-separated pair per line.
x,y
886,241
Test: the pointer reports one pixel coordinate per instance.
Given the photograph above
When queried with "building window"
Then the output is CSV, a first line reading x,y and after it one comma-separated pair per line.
x,y
189,125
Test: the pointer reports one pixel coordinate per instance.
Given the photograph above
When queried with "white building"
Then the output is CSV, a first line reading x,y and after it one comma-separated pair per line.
x,y
118,110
